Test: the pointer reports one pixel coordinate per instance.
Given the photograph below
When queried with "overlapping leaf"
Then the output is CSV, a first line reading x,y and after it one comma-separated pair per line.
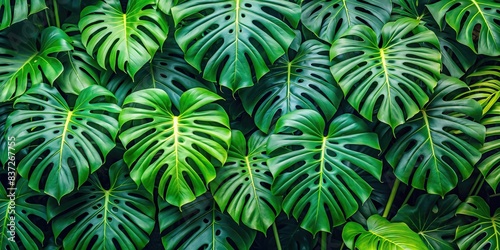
x,y
464,15
25,63
303,81
232,41
316,178
433,219
429,153
5,109
381,235
484,231
120,40
330,19
387,77
200,225
99,217
485,83
16,11
168,71
490,163
243,184
180,146
70,142
19,204
81,70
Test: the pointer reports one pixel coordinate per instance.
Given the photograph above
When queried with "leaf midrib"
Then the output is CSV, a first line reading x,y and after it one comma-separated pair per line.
x,y
63,138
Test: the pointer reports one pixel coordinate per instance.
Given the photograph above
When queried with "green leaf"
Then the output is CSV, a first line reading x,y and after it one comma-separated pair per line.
x,y
168,71
19,10
200,225
330,19
100,217
490,163
464,15
15,203
124,40
303,81
440,142
243,184
387,77
484,231
433,219
181,146
166,5
316,178
62,142
485,83
382,235
5,109
232,41
26,63
81,70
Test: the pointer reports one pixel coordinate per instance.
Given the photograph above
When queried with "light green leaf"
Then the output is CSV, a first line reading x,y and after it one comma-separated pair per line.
x,y
484,232
16,11
166,5
243,184
485,83
180,146
330,19
440,142
464,15
200,225
120,40
316,177
100,217
387,77
433,218
300,82
15,203
63,143
232,41
382,235
20,65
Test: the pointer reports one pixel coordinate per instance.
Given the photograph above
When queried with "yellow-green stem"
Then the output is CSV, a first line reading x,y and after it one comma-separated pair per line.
x,y
56,13
408,196
391,198
276,236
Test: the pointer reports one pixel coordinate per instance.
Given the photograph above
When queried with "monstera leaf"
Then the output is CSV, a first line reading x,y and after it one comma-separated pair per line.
x,y
236,38
433,219
300,82
62,142
168,71
464,15
124,40
387,77
485,84
490,163
81,70
243,184
484,232
26,63
17,203
316,177
5,109
166,5
15,11
200,225
181,146
382,235
330,19
429,152
99,217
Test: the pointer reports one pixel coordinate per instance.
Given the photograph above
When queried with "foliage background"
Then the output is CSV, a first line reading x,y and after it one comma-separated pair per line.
x,y
250,124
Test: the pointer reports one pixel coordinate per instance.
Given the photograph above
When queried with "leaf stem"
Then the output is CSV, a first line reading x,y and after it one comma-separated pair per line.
x,y
323,240
474,185
276,236
391,198
408,196
47,17
56,13
479,186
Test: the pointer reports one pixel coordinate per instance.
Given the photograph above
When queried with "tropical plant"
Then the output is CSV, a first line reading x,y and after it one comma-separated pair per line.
x,y
250,124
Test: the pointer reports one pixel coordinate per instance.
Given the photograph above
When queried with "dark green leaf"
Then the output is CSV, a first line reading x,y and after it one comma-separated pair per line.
x,y
19,10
